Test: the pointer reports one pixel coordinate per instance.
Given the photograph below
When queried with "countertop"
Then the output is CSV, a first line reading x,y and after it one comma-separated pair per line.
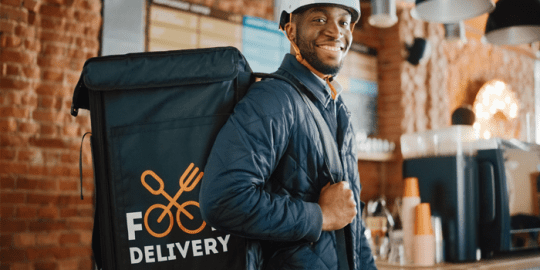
x,y
526,260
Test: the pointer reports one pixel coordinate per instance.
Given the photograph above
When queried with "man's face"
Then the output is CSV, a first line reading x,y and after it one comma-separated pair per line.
x,y
323,36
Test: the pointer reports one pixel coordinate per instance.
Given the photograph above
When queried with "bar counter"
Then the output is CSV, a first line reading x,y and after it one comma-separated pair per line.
x,y
526,260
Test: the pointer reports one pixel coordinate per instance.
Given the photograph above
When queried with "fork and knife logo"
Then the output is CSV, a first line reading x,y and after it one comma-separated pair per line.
x,y
188,181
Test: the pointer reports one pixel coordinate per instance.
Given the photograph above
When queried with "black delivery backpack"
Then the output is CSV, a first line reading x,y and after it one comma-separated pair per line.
x,y
154,118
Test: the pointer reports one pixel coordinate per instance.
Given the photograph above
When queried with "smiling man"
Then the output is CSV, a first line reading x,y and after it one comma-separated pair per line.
x,y
265,178
323,51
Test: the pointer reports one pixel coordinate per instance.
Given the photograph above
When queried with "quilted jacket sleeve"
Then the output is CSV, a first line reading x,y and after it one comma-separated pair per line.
x,y
245,154
366,256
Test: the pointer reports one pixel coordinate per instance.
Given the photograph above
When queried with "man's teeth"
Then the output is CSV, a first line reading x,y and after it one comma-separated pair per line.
x,y
331,48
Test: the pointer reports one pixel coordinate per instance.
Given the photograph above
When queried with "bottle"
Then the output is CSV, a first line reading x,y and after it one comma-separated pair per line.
x,y
436,222
396,214
379,222
411,198
397,252
424,240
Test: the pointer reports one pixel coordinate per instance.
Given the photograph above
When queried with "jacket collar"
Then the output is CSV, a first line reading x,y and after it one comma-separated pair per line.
x,y
306,77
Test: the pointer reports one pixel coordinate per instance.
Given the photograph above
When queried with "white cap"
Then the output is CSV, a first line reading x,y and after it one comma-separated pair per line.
x,y
290,6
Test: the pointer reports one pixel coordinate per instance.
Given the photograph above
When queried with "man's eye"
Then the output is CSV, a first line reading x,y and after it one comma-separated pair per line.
x,y
346,23
319,20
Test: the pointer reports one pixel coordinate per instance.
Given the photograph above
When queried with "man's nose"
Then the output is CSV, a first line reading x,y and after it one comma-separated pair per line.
x,y
333,30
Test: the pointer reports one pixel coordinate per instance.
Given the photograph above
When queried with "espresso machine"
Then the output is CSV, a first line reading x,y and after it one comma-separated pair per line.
x,y
484,191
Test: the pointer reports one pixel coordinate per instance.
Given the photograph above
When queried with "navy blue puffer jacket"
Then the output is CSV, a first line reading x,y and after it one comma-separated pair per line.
x,y
265,173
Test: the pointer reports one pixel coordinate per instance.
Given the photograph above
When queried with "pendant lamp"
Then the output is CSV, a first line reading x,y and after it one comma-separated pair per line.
x,y
451,11
383,13
514,22
455,31
419,51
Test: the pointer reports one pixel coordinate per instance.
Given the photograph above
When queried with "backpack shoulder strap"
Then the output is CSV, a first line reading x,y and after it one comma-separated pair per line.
x,y
331,154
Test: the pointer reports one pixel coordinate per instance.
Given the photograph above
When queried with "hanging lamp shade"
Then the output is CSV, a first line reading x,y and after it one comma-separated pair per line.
x,y
455,31
514,22
451,11
383,13
419,51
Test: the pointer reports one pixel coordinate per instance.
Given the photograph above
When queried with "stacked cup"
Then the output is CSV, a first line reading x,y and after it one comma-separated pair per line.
x,y
424,240
418,237
411,198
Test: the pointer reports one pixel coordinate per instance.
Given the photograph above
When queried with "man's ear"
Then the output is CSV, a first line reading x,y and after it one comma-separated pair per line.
x,y
290,30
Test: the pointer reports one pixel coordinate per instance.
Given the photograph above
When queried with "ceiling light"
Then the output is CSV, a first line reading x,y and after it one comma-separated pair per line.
x,y
451,11
455,31
383,13
418,51
514,22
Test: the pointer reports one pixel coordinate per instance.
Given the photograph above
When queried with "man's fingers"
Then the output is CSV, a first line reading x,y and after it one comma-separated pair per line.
x,y
326,186
345,184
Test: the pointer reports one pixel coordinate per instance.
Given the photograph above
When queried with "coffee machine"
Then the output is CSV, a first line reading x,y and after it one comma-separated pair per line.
x,y
484,191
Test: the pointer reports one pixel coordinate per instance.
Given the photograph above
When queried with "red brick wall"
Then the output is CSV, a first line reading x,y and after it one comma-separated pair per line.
x,y
378,177
43,222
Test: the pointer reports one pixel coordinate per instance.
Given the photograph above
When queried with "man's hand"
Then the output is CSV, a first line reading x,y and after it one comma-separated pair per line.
x,y
337,205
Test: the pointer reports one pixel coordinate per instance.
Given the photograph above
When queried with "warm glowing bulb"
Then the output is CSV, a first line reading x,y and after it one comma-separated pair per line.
x,y
500,86
499,104
485,99
493,98
493,109
513,110
479,108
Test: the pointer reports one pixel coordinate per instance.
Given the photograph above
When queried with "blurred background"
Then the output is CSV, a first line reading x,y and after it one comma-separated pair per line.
x,y
403,75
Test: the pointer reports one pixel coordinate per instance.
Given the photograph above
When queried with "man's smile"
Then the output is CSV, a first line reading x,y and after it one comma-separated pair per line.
x,y
331,48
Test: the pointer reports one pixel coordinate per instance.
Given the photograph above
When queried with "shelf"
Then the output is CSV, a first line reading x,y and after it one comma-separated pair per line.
x,y
528,260
375,156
